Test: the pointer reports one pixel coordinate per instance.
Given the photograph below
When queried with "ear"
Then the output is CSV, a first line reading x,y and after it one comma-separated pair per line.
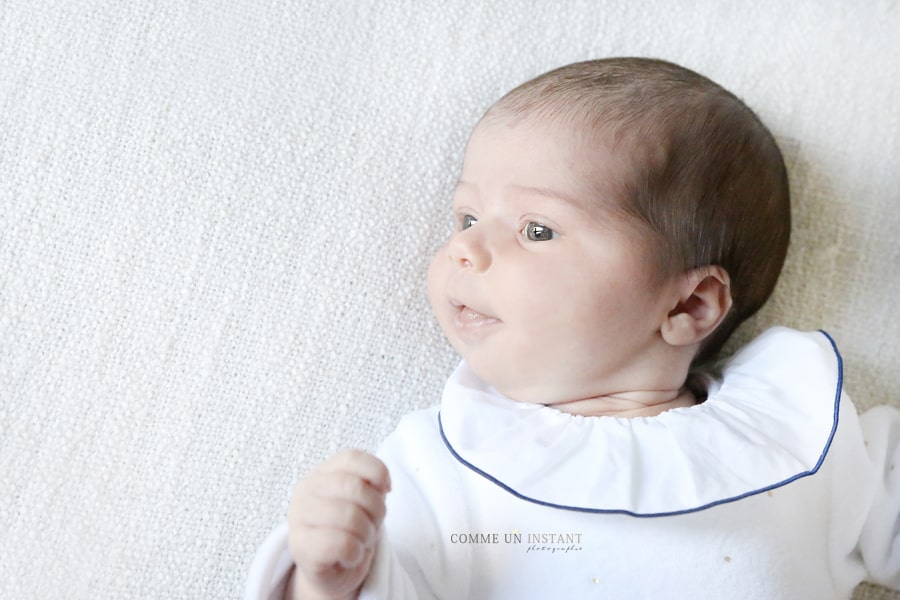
x,y
704,298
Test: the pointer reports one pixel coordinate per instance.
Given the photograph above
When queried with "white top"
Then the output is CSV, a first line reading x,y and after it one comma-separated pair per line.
x,y
771,488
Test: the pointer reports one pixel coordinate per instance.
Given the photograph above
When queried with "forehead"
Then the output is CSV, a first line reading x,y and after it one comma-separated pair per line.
x,y
546,154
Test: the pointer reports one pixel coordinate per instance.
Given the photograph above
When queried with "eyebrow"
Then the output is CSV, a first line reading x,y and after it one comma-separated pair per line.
x,y
540,191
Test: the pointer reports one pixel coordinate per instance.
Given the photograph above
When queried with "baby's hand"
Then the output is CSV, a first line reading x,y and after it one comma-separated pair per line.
x,y
333,521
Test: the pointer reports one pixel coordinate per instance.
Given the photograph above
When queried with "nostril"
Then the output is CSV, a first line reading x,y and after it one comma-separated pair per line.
x,y
464,262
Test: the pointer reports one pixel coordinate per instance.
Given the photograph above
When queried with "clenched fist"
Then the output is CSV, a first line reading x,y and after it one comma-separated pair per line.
x,y
333,522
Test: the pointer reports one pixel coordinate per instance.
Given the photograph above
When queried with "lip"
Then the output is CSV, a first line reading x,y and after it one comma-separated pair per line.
x,y
471,322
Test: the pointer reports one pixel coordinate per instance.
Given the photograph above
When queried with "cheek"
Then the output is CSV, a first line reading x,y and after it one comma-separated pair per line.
x,y
577,306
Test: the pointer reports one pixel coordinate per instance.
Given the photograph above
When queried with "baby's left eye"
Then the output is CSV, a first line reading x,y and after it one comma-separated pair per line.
x,y
537,232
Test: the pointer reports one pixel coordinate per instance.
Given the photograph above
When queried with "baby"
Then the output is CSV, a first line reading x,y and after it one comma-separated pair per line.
x,y
616,220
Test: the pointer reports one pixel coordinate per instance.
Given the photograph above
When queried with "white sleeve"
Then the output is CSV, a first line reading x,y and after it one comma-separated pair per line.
x,y
387,579
271,566
267,578
411,562
879,543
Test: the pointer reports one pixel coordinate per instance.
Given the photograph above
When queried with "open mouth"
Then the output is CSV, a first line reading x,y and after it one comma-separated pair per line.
x,y
470,318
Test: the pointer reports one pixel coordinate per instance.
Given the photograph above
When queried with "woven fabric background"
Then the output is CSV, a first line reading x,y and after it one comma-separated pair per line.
x,y
216,217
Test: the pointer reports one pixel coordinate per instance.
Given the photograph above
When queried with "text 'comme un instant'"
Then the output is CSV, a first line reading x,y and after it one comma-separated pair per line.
x,y
515,538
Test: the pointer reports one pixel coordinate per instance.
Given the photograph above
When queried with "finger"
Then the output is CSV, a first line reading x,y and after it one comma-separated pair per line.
x,y
336,514
343,487
363,465
322,548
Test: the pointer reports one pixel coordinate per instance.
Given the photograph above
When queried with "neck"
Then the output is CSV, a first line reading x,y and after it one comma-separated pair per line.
x,y
629,404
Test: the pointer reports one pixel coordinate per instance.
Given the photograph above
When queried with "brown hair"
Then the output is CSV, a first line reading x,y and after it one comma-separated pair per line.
x,y
707,178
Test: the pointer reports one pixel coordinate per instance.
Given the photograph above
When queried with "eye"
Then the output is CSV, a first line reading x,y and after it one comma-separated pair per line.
x,y
537,232
467,221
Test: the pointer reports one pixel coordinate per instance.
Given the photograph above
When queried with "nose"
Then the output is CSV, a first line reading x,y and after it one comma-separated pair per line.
x,y
467,249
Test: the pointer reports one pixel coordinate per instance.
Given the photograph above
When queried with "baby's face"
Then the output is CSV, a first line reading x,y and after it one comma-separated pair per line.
x,y
544,288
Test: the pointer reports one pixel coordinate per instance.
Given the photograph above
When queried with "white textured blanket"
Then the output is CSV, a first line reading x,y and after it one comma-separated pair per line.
x,y
215,219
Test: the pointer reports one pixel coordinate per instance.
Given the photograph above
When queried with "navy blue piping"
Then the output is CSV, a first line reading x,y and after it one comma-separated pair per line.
x,y
837,407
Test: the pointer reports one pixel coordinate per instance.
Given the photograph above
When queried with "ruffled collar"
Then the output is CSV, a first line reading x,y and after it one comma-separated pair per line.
x,y
768,421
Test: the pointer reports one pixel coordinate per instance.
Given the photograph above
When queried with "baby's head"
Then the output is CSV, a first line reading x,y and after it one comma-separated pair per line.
x,y
631,165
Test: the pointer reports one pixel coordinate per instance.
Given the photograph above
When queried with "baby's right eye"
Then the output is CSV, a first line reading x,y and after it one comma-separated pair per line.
x,y
467,221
